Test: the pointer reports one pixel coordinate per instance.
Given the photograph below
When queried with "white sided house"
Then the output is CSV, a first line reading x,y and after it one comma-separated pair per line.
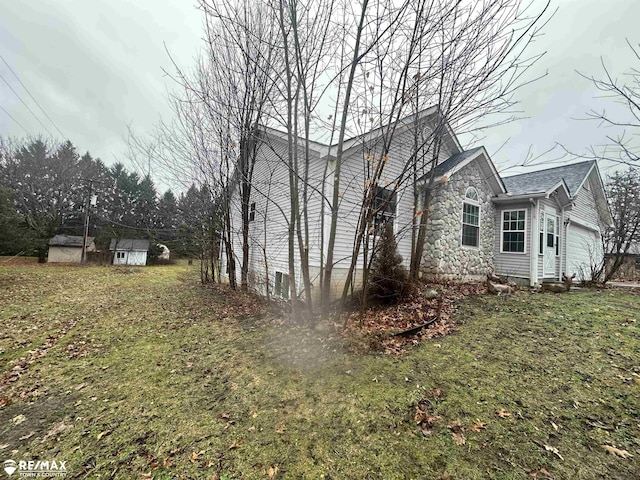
x,y
530,227
565,211
128,251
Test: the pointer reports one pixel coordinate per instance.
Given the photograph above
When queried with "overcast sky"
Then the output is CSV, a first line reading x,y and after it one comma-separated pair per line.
x,y
96,67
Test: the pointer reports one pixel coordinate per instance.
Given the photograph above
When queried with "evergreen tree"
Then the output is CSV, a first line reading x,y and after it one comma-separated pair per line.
x,y
389,278
13,237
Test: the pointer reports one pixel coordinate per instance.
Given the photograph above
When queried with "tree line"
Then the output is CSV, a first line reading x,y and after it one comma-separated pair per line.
x,y
45,189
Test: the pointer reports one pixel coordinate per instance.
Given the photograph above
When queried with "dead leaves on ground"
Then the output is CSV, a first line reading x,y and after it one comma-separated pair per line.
x,y
456,432
18,419
502,413
236,444
543,473
553,450
375,325
422,416
617,452
476,427
195,456
458,438
427,421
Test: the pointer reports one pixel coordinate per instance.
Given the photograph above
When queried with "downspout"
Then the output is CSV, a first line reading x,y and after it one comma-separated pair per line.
x,y
534,247
566,225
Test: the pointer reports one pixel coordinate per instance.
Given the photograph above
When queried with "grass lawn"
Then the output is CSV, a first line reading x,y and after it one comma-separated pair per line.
x,y
142,373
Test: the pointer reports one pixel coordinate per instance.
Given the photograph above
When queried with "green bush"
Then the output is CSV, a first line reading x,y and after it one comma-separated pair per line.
x,y
389,280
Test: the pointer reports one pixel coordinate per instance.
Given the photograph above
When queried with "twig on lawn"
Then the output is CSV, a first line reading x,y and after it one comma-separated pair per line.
x,y
416,329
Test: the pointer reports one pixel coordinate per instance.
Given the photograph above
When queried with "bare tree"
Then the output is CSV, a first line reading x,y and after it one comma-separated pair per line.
x,y
623,145
466,62
236,86
623,192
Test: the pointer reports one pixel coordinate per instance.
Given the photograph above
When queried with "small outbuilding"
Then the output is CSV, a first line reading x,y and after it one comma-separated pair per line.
x,y
68,248
129,251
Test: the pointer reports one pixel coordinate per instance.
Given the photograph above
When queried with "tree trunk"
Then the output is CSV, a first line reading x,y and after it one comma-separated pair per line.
x,y
328,268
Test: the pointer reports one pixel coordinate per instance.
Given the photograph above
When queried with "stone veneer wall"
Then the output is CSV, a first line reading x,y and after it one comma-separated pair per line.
x,y
444,255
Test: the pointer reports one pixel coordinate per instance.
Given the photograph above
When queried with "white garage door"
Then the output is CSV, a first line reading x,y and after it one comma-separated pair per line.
x,y
584,249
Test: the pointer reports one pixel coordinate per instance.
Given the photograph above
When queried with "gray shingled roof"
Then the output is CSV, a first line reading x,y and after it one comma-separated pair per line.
x,y
68,241
543,180
129,245
454,160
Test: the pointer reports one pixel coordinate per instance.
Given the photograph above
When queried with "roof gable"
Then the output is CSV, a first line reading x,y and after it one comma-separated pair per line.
x,y
458,161
542,181
329,150
454,160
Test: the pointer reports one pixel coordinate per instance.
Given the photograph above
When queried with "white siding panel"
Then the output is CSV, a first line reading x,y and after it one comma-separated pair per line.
x,y
271,196
513,264
353,178
584,205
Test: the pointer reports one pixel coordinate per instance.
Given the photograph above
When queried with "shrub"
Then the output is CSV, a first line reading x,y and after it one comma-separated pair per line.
x,y
389,280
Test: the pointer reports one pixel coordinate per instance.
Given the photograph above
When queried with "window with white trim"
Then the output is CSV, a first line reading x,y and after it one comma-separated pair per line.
x,y
557,232
513,231
282,286
384,206
252,212
471,218
541,236
551,233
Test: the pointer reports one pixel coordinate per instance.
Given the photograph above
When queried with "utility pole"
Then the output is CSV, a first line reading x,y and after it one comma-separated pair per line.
x,y
86,224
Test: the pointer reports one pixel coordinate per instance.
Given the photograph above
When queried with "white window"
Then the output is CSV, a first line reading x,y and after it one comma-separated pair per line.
x,y
541,235
252,212
553,234
557,233
513,231
282,286
471,219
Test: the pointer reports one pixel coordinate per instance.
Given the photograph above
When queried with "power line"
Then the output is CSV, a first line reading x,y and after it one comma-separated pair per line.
x,y
12,118
32,97
147,229
23,102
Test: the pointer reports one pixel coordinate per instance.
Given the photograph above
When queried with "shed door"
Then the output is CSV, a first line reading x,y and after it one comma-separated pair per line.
x,y
583,250
137,258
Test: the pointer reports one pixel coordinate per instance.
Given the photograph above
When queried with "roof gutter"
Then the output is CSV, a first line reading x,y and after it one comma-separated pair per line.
x,y
523,197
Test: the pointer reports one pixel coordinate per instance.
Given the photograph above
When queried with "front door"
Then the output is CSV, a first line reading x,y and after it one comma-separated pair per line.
x,y
550,236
